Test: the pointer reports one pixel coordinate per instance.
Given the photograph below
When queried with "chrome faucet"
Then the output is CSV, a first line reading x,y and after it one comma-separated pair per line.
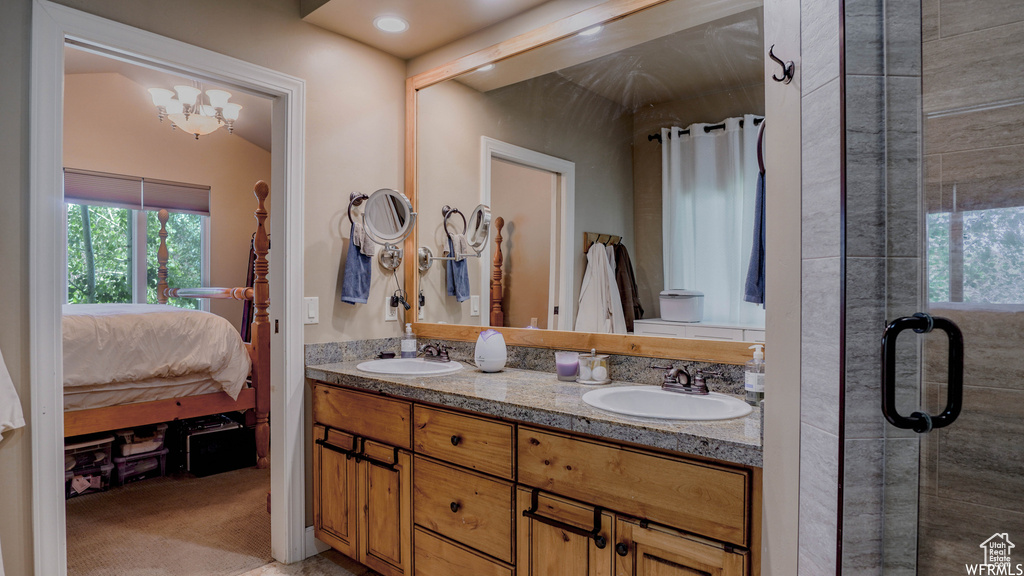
x,y
436,352
689,385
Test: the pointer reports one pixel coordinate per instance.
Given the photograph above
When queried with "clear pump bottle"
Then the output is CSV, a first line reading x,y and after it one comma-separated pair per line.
x,y
753,381
408,343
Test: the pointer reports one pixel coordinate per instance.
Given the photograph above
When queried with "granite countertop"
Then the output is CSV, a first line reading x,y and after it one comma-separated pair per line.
x,y
540,398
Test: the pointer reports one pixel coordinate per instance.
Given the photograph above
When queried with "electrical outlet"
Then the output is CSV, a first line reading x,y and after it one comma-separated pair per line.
x,y
311,309
474,305
390,312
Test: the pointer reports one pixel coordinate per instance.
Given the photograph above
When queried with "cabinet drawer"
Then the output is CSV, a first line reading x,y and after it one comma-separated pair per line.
x,y
753,336
659,329
708,333
365,415
438,557
693,496
478,443
464,506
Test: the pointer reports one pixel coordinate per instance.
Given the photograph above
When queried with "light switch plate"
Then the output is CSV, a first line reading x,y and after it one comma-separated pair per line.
x,y
474,305
419,314
390,312
311,310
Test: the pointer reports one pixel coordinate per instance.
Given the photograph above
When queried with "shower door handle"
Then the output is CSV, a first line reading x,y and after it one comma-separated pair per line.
x,y
922,422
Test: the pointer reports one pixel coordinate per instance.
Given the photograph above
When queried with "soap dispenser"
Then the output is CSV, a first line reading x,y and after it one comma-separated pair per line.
x,y
753,381
408,343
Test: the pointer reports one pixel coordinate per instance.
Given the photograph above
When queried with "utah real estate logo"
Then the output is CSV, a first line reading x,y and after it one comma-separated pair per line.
x,y
996,558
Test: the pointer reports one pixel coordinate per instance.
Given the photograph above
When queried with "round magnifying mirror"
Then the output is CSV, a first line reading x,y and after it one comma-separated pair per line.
x,y
388,216
479,227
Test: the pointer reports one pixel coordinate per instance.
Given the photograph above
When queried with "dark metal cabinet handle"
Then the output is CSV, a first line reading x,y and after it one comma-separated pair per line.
x,y
325,442
456,439
454,506
621,549
922,422
599,540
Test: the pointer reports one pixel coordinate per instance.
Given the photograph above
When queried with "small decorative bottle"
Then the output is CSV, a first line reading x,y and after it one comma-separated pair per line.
x,y
753,381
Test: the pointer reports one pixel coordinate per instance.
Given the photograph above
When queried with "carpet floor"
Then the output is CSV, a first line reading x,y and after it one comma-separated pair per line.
x,y
172,526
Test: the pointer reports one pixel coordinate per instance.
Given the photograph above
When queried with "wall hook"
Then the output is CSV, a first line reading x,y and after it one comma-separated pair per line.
x,y
787,67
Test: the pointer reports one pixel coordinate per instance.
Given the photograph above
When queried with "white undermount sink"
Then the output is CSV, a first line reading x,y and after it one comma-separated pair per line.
x,y
409,367
653,402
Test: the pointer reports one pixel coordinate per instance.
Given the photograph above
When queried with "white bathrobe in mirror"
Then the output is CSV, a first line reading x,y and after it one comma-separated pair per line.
x,y
10,413
600,306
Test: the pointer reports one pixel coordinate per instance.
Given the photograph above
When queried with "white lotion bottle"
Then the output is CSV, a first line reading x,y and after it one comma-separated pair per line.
x,y
753,376
408,343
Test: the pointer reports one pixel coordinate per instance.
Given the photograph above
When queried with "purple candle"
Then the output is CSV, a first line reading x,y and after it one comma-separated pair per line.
x,y
568,365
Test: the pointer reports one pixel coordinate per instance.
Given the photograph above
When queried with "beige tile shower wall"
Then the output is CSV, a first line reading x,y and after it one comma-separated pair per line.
x,y
123,136
975,145
547,115
647,214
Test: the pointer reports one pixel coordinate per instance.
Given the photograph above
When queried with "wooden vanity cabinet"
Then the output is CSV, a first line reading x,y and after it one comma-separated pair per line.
x,y
552,538
362,487
650,550
409,489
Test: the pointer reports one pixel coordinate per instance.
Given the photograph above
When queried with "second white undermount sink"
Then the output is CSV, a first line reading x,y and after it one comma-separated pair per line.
x,y
409,367
653,402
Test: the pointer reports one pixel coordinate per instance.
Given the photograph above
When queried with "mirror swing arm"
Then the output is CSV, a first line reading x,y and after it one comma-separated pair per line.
x,y
481,219
725,352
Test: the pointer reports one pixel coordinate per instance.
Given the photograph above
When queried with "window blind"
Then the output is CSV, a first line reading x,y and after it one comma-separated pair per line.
x,y
134,193
176,197
100,188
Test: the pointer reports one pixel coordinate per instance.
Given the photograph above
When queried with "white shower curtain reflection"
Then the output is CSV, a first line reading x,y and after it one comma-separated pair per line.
x,y
709,182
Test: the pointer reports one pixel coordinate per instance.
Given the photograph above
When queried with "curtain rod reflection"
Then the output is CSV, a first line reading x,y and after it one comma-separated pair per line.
x,y
721,126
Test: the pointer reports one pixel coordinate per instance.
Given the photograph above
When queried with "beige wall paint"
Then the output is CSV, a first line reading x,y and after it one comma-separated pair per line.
x,y
523,197
355,102
547,115
15,449
354,109
712,107
110,126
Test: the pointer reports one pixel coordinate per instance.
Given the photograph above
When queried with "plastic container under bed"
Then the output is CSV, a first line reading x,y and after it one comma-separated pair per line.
x,y
87,480
141,466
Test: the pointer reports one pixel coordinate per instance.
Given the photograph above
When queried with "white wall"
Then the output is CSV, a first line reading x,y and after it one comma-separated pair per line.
x,y
110,125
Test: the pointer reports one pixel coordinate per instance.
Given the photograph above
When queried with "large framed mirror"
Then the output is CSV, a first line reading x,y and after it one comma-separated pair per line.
x,y
562,133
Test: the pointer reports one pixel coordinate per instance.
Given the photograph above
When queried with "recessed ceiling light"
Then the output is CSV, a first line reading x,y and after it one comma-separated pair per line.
x,y
485,68
390,24
591,31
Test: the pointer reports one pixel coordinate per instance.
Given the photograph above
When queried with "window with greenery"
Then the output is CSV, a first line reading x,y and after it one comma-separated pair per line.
x,y
102,255
977,256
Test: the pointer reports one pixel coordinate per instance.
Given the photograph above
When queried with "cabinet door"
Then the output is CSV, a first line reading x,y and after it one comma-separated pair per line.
x,y
657,551
385,491
545,549
334,489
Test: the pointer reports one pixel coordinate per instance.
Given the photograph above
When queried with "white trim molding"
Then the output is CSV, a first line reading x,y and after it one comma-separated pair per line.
x,y
563,211
52,25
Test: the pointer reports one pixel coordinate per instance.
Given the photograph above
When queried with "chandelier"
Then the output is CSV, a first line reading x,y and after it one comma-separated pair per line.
x,y
191,113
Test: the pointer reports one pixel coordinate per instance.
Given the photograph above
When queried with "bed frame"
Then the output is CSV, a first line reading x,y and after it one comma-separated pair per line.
x,y
256,397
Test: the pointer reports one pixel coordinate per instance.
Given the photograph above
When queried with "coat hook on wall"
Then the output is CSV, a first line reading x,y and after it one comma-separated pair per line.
x,y
787,67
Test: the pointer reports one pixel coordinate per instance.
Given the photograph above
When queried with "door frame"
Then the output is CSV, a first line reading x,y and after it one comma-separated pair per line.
x,y
562,201
52,24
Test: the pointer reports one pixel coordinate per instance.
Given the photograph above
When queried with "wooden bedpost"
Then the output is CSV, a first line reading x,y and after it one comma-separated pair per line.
x,y
497,314
261,329
161,257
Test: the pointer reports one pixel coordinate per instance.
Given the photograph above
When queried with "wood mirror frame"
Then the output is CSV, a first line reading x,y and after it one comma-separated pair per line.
x,y
724,352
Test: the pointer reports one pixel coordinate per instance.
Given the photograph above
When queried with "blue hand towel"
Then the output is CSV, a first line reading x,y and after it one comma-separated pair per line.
x,y
754,288
355,284
457,275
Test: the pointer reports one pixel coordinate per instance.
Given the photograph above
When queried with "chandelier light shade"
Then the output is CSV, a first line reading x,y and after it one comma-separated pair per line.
x,y
190,113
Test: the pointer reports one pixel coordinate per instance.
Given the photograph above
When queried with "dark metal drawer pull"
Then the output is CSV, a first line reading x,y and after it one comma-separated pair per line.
x,y
380,463
621,549
454,506
456,440
348,453
599,540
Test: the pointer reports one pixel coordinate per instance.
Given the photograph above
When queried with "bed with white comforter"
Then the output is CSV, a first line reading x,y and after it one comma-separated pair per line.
x,y
126,353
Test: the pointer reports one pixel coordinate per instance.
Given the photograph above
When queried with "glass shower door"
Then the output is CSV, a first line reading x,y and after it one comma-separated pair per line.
x,y
965,484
